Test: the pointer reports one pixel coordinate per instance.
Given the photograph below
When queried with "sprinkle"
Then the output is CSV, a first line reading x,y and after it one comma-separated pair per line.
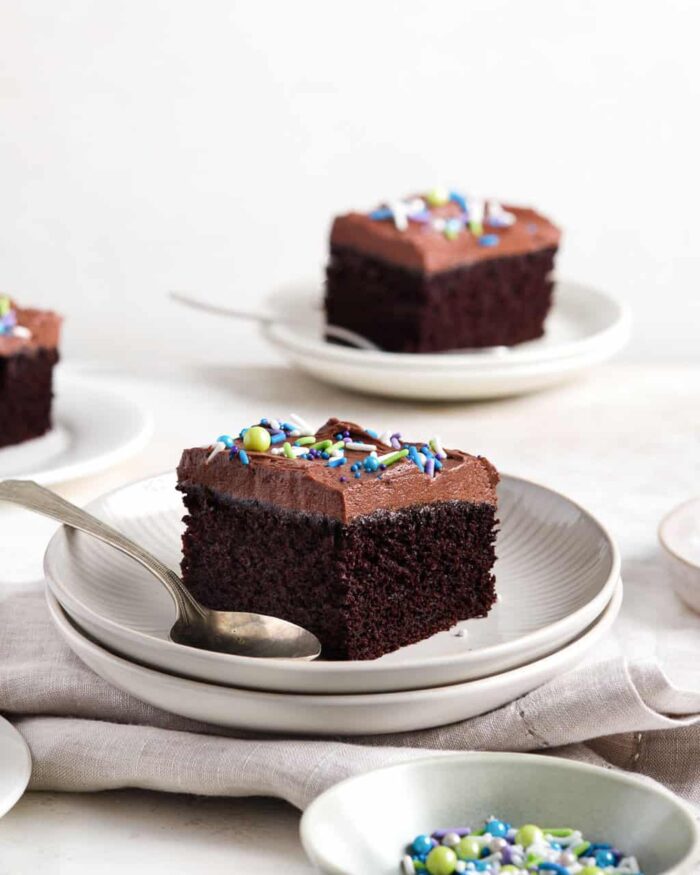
x,y
301,424
225,439
413,455
5,305
390,458
243,456
305,441
385,437
438,197
357,475
459,199
476,217
395,442
452,228
489,240
372,433
325,455
288,451
343,479
242,432
439,224
436,445
322,445
278,437
287,426
218,447
274,425
337,462
430,467
333,449
360,447
371,463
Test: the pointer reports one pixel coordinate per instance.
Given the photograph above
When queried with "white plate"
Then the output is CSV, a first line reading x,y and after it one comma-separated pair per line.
x,y
556,572
584,328
357,827
374,713
15,766
94,428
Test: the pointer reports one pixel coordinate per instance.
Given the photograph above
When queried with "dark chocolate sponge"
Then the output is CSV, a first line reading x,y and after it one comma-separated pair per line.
x,y
494,302
366,587
26,380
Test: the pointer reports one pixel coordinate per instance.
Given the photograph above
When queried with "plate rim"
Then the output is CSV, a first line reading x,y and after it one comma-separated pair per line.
x,y
19,791
611,337
71,384
599,626
357,667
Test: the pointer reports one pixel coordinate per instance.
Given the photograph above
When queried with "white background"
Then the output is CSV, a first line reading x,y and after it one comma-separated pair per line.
x,y
205,145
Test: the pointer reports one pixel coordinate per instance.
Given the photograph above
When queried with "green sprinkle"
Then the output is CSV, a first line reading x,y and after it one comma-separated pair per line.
x,y
476,228
338,445
4,305
562,833
393,457
533,860
305,441
321,445
288,451
581,849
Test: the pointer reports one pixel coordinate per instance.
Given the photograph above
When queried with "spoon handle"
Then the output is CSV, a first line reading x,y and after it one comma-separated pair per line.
x,y
30,495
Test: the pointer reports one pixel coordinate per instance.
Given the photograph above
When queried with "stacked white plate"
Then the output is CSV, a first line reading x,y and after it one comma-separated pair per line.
x,y
558,579
585,326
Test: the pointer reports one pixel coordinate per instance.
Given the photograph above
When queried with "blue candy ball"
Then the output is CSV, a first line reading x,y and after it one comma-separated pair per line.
x,y
604,858
422,845
497,828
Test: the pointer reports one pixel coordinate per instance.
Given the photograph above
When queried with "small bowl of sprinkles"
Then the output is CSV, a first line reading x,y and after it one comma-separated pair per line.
x,y
516,814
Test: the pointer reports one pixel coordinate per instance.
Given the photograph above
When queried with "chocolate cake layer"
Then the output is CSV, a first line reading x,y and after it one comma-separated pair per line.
x,y
26,380
491,303
368,557
364,589
436,280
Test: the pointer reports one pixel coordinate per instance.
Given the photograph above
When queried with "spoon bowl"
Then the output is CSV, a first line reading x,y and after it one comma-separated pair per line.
x,y
239,633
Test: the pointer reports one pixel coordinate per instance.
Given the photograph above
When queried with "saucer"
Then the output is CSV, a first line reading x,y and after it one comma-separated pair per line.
x,y
15,766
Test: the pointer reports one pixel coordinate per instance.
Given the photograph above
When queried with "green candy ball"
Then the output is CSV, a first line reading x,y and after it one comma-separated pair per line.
x,y
527,835
438,197
441,861
468,848
257,439
591,870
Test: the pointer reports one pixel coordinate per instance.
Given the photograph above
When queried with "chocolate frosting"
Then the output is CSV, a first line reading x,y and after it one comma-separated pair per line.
x,y
312,487
422,248
45,328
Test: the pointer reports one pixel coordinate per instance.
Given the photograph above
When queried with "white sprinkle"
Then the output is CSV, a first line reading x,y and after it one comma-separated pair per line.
x,y
407,866
500,216
436,444
218,447
385,436
362,448
21,331
301,424
422,457
476,211
279,451
417,205
399,213
460,866
439,224
338,451
274,424
294,433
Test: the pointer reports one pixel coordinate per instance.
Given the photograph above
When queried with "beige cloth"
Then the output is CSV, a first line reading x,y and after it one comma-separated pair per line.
x,y
87,735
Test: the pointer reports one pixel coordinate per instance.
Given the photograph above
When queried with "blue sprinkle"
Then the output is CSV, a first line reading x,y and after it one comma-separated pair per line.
x,y
264,422
459,199
242,432
371,464
325,455
287,426
553,867
337,462
243,456
372,433
357,475
489,240
355,467
225,439
278,438
381,213
339,437
414,457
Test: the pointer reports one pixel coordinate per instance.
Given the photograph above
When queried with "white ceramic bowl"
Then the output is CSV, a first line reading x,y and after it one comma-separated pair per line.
x,y
679,534
362,825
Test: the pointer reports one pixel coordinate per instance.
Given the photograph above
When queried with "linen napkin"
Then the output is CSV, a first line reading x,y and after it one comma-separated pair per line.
x,y
86,735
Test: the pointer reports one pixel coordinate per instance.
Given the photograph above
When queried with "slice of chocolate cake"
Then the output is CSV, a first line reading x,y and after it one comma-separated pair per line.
x,y
442,271
28,353
369,541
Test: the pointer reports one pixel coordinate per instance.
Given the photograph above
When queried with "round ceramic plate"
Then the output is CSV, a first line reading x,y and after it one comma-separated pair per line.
x,y
15,766
585,327
93,429
357,826
373,713
556,572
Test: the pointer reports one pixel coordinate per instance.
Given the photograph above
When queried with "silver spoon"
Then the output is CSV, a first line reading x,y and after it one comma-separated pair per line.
x,y
338,332
243,634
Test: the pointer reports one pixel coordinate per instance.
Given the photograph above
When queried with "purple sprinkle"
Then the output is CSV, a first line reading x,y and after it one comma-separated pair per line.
x,y
382,467
461,832
343,479
395,442
422,217
430,467
506,856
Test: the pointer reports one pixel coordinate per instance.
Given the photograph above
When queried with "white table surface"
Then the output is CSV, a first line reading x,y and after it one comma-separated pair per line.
x,y
623,442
